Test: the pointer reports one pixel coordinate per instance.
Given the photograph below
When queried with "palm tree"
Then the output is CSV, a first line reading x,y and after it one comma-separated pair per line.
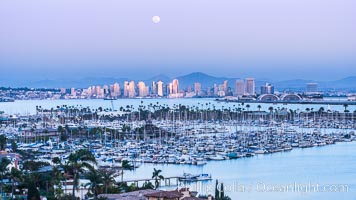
x,y
321,109
3,169
79,161
125,165
108,177
16,176
14,146
222,194
156,175
33,193
3,142
345,107
259,107
95,179
270,109
56,177
217,193
271,112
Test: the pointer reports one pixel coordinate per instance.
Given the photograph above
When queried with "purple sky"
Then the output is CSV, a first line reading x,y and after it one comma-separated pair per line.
x,y
276,39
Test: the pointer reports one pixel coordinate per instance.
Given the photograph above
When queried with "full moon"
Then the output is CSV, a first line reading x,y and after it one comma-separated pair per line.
x,y
156,19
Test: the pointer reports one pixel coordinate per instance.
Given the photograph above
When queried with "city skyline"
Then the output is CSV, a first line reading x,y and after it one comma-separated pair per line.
x,y
262,39
242,90
188,79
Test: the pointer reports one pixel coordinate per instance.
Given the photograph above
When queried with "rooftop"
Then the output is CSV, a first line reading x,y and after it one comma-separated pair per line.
x,y
135,195
165,194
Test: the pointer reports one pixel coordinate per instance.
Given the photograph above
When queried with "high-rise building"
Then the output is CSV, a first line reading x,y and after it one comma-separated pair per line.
x,y
154,88
106,89
115,90
173,90
132,91
221,90
142,89
63,91
88,92
208,92
239,88
250,86
170,88
312,88
111,89
147,90
167,88
126,88
175,86
225,86
216,90
189,89
73,92
160,88
197,88
267,89
99,92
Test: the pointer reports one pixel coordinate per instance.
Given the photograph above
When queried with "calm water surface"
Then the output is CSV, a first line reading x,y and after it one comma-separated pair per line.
x,y
332,165
29,106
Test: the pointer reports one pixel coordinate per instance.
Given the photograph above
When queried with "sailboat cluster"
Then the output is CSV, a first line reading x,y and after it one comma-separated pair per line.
x,y
173,136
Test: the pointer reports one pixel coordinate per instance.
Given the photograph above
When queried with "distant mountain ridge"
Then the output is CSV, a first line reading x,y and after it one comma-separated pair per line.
x,y
204,79
184,81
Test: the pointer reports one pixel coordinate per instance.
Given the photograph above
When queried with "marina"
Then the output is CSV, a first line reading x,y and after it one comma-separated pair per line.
x,y
193,137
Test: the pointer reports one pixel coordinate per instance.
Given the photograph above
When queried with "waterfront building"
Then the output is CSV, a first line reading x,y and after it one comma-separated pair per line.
x,y
221,93
170,89
267,89
142,89
225,86
250,86
189,94
131,89
175,86
221,89
99,92
89,92
197,88
86,93
189,89
166,90
115,90
73,93
208,91
154,88
160,88
63,91
126,88
92,88
173,90
106,89
111,89
239,88
312,88
351,98
215,90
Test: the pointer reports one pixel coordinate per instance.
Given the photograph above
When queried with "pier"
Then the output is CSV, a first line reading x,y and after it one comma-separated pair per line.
x,y
167,181
290,102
